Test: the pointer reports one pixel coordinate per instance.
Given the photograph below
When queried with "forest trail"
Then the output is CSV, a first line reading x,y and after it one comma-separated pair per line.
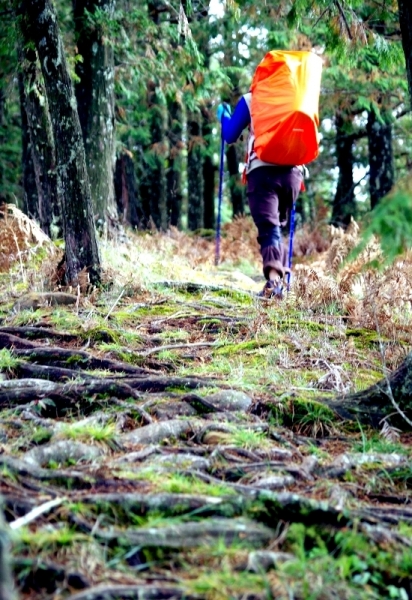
x,y
174,437
170,437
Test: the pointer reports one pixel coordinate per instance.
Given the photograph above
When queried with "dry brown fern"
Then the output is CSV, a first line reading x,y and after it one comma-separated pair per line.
x,y
20,237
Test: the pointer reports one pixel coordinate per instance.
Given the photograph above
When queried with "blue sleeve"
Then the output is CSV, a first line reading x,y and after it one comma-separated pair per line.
x,y
233,126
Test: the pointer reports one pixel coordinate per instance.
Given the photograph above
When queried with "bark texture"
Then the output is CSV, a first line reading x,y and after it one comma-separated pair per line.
x,y
381,171
41,147
2,106
153,176
81,251
405,21
95,101
209,169
344,202
174,196
30,197
372,405
126,190
237,190
194,172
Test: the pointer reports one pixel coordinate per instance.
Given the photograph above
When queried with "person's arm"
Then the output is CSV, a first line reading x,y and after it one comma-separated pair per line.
x,y
232,126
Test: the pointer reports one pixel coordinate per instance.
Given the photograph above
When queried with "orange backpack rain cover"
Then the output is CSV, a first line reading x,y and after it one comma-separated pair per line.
x,y
285,107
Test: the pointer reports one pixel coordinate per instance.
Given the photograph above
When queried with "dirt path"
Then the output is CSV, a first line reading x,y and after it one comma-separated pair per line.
x,y
174,445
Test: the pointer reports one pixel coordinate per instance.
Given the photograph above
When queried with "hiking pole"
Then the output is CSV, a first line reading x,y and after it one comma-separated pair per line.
x,y
219,206
291,234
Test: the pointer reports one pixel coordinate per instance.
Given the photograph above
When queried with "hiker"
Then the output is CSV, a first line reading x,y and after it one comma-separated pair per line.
x,y
271,190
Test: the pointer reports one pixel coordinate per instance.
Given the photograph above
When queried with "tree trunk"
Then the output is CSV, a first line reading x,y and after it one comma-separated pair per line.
x,y
6,582
153,176
236,187
405,21
381,172
344,205
374,404
30,196
95,103
194,172
126,191
174,196
300,214
42,150
81,251
209,170
2,105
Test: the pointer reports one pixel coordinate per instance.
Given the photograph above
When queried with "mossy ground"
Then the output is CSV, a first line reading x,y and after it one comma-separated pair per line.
x,y
288,360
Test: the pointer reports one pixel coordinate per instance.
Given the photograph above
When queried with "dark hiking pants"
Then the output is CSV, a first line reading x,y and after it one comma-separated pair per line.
x,y
271,193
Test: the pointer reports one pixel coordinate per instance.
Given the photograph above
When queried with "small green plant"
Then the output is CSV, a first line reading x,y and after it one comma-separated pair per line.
x,y
310,418
86,432
43,540
250,439
41,436
64,319
177,483
224,584
378,444
7,361
182,484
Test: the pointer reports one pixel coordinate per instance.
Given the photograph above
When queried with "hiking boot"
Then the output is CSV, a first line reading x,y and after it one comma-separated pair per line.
x,y
272,289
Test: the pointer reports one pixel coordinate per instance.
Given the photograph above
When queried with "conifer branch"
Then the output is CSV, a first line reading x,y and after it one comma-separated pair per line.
x,y
342,14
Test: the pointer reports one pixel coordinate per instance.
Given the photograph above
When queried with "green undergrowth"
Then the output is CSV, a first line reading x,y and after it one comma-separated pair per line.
x,y
372,442
345,564
291,362
305,416
88,432
7,361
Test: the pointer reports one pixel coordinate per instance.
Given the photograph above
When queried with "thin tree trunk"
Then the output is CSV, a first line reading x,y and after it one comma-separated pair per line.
x,y
344,205
194,172
126,191
208,122
42,150
236,188
95,102
30,196
81,251
209,170
300,214
381,172
174,197
153,172
2,103
405,21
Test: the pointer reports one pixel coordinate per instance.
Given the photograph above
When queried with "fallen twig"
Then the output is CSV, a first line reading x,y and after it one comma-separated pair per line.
x,y
36,512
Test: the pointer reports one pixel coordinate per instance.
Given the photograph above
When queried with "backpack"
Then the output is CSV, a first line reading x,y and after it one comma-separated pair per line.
x,y
284,108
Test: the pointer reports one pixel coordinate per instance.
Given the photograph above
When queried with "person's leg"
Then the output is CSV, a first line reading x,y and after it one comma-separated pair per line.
x,y
288,187
266,195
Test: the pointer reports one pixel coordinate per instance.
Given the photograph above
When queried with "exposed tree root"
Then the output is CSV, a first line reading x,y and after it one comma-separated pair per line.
x,y
40,575
38,333
387,398
127,592
64,396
